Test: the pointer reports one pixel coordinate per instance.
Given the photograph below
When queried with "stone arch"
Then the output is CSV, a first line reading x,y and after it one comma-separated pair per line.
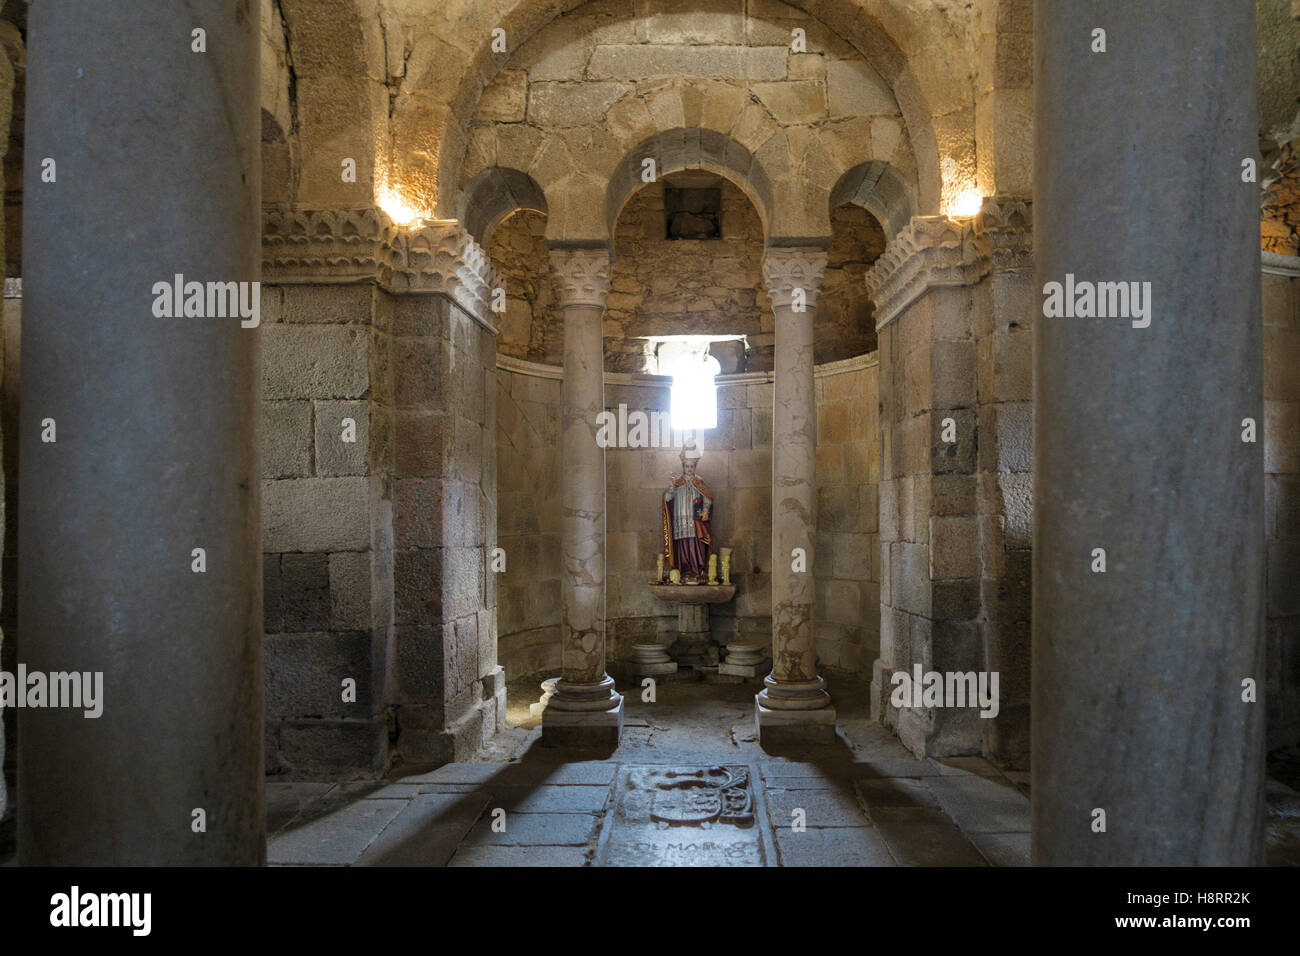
x,y
932,87
882,191
681,149
493,195
322,61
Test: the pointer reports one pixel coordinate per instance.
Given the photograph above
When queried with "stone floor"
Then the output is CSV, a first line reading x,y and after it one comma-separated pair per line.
x,y
688,785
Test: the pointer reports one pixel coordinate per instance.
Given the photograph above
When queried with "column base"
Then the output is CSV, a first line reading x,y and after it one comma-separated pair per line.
x,y
744,660
785,727
583,728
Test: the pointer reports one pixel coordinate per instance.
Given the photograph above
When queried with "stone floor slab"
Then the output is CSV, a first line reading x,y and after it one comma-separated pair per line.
x,y
285,800
551,799
426,832
983,804
840,846
575,773
337,838
920,837
1003,849
895,792
535,829
821,808
547,856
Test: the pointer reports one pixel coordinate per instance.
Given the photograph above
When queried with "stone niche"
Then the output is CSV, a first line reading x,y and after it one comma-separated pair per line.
x,y
737,464
692,207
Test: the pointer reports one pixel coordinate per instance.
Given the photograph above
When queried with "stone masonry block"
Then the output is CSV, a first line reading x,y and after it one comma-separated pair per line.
x,y
314,361
286,439
336,423
316,514
349,587
338,304
305,674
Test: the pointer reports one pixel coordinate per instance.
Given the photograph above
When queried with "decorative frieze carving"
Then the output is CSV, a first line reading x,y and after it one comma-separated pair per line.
x,y
351,245
938,251
788,270
1003,231
931,251
581,276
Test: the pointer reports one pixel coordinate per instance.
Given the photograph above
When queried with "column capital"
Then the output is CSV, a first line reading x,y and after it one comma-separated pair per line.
x,y
305,245
581,276
786,269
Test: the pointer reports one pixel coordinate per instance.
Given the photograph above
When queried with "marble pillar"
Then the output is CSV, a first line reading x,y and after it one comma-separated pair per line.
x,y
140,513
585,708
794,703
1144,752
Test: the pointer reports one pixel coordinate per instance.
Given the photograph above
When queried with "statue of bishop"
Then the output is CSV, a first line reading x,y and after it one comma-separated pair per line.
x,y
687,520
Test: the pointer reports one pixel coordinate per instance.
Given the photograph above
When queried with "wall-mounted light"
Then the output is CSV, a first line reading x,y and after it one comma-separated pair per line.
x,y
396,208
966,204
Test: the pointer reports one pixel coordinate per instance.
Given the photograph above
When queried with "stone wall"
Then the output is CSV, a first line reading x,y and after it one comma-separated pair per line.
x,y
529,520
737,464
443,681
955,302
326,525
847,566
1281,435
685,286
377,549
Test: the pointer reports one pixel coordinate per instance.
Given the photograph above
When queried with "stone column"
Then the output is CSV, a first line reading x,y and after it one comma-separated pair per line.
x,y
139,437
1138,671
793,703
585,708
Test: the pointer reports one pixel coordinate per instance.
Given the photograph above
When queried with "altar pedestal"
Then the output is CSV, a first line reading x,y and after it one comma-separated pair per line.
x,y
694,646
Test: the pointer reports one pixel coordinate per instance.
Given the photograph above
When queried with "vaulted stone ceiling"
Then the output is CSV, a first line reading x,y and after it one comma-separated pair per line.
x,y
394,83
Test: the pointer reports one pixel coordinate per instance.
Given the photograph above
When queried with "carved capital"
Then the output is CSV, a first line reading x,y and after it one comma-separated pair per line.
x,y
936,251
299,245
789,270
581,276
440,256
930,251
1004,234
342,245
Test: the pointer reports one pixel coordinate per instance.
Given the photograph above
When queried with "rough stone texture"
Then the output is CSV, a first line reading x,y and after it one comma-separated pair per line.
x,y
661,287
1281,434
156,450
1134,670
442,679
847,575
955,515
603,83
326,528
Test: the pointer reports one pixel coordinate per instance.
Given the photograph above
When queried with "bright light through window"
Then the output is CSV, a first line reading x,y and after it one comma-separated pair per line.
x,y
695,396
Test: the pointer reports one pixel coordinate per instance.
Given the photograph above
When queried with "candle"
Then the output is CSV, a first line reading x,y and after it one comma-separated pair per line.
x,y
659,570
713,569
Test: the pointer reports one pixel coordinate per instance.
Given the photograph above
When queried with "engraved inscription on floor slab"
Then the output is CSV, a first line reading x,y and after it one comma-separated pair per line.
x,y
684,816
